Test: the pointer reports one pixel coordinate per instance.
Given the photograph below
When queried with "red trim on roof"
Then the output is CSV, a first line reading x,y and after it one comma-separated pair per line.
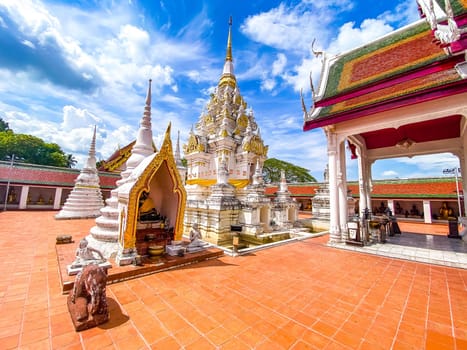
x,y
403,77
422,96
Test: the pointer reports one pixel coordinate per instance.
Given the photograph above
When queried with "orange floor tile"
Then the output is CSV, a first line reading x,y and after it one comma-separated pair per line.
x,y
303,295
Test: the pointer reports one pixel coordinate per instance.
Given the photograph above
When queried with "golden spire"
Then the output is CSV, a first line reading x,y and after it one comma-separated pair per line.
x,y
228,76
228,56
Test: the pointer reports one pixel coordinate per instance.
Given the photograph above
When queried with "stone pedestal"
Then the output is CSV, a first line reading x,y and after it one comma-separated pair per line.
x,y
125,256
80,316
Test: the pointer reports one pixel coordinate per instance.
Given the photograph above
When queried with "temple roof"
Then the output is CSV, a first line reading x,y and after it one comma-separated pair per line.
x,y
33,174
442,188
118,158
402,68
386,58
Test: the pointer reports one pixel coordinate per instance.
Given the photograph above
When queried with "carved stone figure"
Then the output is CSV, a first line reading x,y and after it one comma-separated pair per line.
x,y
87,302
86,255
195,239
195,235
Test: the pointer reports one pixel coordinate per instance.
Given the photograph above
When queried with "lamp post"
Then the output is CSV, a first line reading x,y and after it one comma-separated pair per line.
x,y
456,172
12,159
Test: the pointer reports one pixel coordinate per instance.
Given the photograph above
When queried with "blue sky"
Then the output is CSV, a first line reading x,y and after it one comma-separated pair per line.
x,y
66,66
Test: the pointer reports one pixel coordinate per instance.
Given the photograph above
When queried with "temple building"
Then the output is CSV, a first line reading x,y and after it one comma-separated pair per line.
x,y
225,154
404,94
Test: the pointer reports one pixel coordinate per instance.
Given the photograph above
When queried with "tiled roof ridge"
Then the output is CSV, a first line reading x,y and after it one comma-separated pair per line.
x,y
384,42
405,180
6,164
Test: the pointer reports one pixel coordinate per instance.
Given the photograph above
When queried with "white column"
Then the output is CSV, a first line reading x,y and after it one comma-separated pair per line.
x,y
391,206
463,175
362,180
58,197
462,161
23,199
342,189
334,230
368,182
427,211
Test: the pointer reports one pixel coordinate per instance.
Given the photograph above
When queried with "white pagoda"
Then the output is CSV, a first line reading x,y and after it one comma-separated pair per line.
x,y
85,200
225,155
104,235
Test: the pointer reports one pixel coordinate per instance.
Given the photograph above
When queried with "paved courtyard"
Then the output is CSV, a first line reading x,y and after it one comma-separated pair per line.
x,y
303,295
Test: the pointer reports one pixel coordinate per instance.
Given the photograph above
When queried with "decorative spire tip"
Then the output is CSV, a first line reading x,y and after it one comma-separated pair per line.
x,y
148,97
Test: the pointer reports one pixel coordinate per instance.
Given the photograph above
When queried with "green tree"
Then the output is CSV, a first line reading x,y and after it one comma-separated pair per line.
x,y
31,149
272,172
71,161
4,125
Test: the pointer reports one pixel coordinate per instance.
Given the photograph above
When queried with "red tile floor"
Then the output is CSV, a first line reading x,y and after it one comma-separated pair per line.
x,y
303,295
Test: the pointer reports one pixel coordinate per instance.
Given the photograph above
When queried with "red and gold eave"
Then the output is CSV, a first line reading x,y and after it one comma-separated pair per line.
x,y
405,68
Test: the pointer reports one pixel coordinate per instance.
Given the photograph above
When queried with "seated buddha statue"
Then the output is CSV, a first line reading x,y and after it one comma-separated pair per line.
x,y
11,196
147,210
445,212
40,200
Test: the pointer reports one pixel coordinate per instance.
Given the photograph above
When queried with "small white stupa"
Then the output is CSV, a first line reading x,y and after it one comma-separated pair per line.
x,y
85,200
285,207
104,235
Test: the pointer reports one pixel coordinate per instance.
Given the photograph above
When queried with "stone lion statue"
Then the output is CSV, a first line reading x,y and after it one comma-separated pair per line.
x,y
87,302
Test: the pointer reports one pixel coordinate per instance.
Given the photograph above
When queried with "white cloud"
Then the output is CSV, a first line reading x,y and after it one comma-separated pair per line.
x,y
340,4
299,78
390,174
279,64
33,17
286,28
292,29
268,84
405,12
350,37
28,43
431,162
76,118
133,42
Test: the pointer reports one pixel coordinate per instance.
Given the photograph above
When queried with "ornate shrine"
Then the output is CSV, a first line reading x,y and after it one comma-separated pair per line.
x,y
155,179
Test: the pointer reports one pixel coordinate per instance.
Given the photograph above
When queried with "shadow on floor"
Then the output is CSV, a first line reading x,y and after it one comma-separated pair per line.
x,y
427,241
117,318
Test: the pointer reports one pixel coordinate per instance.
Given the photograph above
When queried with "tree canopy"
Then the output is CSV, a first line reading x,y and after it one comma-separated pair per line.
x,y
272,172
31,149
4,125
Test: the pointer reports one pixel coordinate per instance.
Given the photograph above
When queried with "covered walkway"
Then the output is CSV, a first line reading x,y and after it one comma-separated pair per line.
x,y
420,242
